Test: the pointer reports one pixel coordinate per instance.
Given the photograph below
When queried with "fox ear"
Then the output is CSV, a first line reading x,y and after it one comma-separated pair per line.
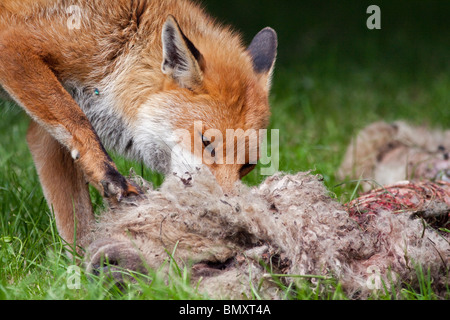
x,y
263,51
181,59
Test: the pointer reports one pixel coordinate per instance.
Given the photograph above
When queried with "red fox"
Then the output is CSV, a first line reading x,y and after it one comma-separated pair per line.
x,y
124,75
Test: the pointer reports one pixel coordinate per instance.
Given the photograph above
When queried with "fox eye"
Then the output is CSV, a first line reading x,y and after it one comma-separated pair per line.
x,y
206,142
246,169
208,146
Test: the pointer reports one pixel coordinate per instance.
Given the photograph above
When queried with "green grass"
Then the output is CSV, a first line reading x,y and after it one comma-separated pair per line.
x,y
333,77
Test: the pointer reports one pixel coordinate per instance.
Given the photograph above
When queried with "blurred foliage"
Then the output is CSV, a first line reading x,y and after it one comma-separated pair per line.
x,y
411,30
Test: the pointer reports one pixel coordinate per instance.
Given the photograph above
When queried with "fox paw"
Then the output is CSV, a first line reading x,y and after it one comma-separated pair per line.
x,y
116,188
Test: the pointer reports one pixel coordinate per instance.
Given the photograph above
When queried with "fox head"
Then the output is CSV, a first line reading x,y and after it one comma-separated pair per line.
x,y
213,102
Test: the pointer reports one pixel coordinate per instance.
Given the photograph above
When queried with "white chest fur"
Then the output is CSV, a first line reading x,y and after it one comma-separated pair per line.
x,y
148,138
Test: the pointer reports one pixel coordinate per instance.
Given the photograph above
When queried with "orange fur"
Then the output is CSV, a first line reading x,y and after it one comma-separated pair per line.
x,y
118,46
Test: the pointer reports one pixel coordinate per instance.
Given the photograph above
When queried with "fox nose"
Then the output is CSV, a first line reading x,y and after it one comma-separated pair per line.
x,y
226,177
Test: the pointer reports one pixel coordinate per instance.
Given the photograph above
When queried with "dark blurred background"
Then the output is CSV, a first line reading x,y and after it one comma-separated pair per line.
x,y
309,30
